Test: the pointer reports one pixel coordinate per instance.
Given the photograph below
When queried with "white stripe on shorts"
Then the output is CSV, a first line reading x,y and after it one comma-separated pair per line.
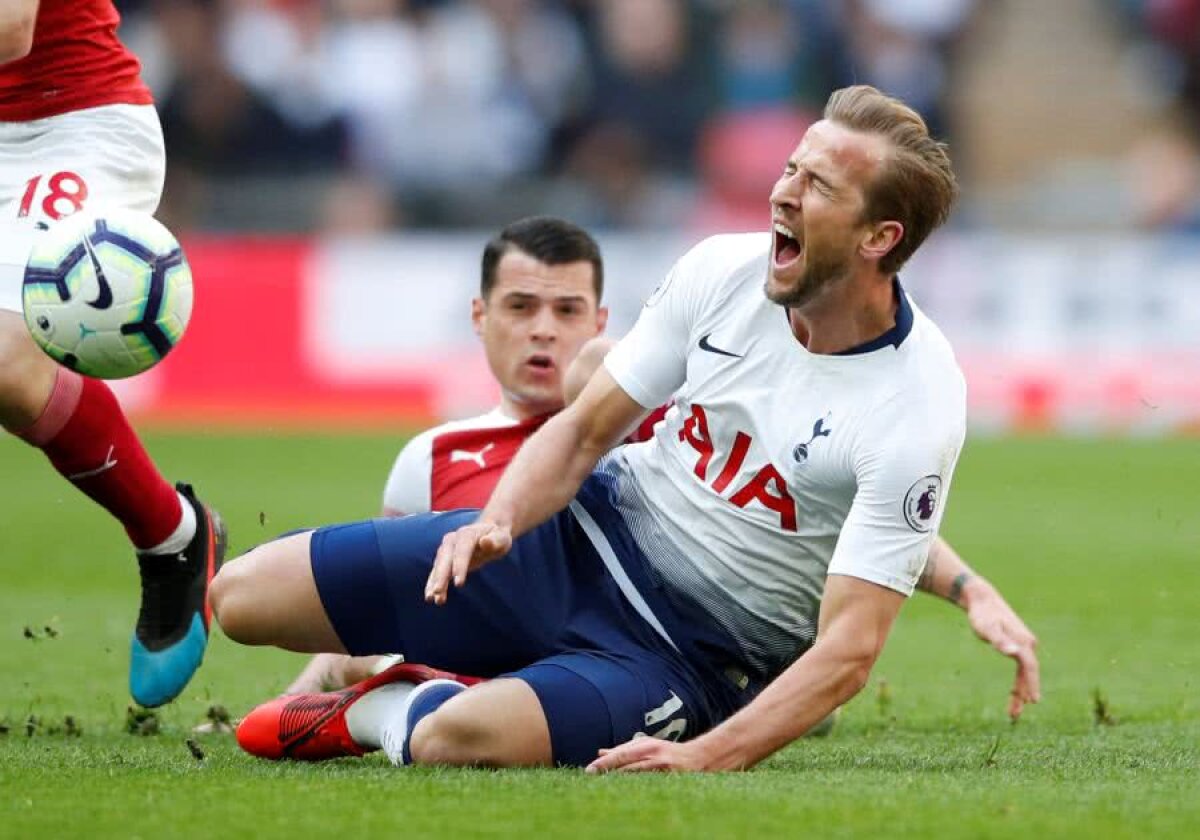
x,y
600,542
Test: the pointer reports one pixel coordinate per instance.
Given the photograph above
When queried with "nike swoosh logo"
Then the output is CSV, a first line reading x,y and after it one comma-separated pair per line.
x,y
109,463
704,345
105,299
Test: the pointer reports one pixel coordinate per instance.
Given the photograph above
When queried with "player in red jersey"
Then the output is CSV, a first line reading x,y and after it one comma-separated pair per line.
x,y
458,464
78,130
540,288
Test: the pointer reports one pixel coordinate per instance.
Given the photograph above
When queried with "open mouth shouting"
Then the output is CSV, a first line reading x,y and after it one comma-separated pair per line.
x,y
787,248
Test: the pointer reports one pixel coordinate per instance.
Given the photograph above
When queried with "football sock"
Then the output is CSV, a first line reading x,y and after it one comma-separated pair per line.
x,y
178,539
84,433
386,662
367,715
424,700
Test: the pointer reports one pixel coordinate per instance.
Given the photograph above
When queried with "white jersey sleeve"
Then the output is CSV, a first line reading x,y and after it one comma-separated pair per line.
x,y
903,466
650,362
408,488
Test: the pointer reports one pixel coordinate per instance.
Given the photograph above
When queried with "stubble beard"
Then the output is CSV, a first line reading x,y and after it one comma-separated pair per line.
x,y
818,276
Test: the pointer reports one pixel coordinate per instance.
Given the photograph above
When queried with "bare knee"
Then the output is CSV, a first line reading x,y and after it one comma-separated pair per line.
x,y
26,374
269,597
231,596
240,596
451,737
498,724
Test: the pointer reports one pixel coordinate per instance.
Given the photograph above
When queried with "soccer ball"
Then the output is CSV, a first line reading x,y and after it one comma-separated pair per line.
x,y
107,294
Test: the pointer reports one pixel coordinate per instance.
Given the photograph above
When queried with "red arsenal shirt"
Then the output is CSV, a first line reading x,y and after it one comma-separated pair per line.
x,y
76,62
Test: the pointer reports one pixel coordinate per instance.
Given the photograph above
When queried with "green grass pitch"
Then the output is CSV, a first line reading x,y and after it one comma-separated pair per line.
x,y
1096,543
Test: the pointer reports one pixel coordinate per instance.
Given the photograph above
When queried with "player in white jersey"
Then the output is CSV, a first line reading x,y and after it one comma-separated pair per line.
x,y
945,575
673,588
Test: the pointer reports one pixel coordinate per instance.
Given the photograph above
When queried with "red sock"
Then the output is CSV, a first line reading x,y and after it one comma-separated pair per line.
x,y
85,435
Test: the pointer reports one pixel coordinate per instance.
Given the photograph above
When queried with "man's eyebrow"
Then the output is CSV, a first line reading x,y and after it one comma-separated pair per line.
x,y
818,176
794,164
517,295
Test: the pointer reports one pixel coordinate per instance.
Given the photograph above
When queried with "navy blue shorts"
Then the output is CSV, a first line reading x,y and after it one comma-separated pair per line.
x,y
549,613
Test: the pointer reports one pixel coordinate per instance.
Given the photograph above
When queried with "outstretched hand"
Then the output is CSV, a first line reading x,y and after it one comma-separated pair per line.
x,y
996,623
462,552
649,754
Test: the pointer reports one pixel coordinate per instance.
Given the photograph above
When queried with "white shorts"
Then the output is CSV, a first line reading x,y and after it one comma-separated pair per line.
x,y
50,168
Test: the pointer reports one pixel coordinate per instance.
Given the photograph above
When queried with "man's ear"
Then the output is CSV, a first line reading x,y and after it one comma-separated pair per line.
x,y
880,240
478,313
601,319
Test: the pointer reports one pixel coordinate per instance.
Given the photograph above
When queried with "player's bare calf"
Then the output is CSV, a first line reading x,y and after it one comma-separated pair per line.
x,y
26,375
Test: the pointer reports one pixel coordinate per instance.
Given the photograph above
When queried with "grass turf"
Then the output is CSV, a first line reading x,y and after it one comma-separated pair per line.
x,y
1095,542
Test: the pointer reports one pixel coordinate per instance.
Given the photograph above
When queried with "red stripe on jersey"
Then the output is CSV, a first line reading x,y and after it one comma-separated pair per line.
x,y
468,463
645,429
77,62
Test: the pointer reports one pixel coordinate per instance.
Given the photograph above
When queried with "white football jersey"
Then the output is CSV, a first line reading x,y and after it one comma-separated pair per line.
x,y
778,466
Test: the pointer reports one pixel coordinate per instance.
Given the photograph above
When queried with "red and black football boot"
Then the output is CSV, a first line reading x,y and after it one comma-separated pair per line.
x,y
312,727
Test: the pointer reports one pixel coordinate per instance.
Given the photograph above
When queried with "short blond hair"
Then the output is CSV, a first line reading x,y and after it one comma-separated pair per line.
x,y
916,185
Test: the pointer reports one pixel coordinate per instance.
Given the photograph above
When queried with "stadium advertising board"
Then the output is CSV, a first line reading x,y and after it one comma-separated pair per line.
x,y
1083,335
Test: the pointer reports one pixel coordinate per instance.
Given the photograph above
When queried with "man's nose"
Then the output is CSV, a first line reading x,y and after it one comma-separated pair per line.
x,y
545,325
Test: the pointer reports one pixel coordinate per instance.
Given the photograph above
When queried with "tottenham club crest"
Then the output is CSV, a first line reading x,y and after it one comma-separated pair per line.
x,y
921,503
820,430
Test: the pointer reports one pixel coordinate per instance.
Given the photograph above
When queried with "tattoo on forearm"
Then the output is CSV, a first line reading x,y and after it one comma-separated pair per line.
x,y
925,581
956,587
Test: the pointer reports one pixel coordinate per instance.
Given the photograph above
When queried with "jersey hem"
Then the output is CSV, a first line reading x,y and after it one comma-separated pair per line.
x,y
884,579
636,390
56,107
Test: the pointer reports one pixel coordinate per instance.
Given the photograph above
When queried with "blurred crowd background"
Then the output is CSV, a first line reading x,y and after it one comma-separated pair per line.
x,y
364,116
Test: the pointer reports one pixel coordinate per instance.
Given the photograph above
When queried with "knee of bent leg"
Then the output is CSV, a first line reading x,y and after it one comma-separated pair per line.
x,y
230,596
497,724
453,735
268,597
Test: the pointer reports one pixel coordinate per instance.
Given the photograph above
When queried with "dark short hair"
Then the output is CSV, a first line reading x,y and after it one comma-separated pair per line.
x,y
548,240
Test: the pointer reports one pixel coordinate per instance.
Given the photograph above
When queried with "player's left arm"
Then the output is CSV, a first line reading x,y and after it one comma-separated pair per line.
x,y
17,19
948,576
856,616
904,552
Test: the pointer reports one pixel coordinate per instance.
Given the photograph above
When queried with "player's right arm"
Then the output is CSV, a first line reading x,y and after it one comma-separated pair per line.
x,y
17,18
645,368
540,481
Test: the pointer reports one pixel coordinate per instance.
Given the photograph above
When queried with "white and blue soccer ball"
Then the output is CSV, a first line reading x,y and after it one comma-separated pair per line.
x,y
107,294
